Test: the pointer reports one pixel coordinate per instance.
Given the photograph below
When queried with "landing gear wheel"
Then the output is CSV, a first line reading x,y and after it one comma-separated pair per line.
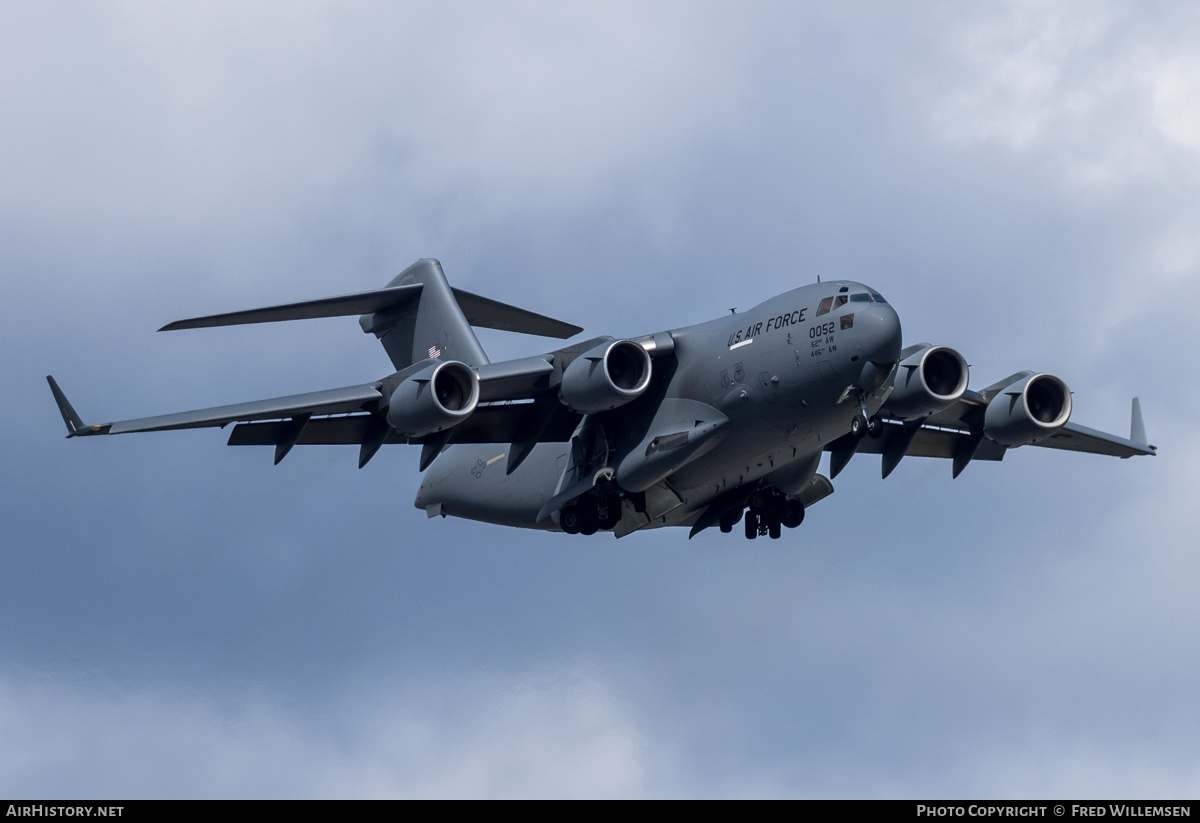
x,y
611,512
729,519
568,519
775,529
589,515
858,426
751,526
875,426
793,514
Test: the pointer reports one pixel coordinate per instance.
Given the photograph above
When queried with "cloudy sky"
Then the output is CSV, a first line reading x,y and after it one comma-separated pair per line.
x,y
180,618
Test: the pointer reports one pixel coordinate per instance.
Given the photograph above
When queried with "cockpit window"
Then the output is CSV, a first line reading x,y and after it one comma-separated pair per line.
x,y
831,304
869,296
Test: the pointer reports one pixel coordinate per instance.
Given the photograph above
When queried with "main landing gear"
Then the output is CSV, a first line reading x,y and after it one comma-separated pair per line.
x,y
768,512
591,512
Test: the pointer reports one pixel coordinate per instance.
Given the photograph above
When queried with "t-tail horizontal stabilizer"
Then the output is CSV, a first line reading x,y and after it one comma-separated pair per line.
x,y
479,311
417,316
343,306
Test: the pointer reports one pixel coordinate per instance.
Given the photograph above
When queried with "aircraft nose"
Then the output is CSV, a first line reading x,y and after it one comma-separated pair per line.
x,y
881,341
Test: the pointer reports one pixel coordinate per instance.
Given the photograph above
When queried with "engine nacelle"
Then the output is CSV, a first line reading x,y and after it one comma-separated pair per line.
x,y
434,399
608,376
927,382
1028,410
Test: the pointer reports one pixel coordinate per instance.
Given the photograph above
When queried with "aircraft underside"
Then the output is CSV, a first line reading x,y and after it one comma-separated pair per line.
x,y
765,494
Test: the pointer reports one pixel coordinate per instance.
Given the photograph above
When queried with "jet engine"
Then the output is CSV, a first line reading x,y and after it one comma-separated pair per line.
x,y
434,399
608,376
927,382
1027,410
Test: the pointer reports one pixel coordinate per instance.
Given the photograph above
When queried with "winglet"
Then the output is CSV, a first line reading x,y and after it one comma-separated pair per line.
x,y
74,424
1137,429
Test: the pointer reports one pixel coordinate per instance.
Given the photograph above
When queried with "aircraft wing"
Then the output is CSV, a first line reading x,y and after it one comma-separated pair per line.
x,y
352,416
1076,438
967,414
364,397
955,433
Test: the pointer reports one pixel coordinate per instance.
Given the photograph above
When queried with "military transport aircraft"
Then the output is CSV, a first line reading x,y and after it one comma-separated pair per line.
x,y
711,424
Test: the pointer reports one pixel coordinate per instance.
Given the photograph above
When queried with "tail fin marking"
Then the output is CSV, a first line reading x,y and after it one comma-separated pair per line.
x,y
433,326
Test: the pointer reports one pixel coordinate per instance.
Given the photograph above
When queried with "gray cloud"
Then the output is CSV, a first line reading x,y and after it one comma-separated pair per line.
x,y
485,737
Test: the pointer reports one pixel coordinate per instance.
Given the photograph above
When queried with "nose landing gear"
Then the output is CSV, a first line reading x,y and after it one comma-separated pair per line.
x,y
861,426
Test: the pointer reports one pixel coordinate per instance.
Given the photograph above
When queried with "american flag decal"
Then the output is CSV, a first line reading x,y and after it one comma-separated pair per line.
x,y
435,352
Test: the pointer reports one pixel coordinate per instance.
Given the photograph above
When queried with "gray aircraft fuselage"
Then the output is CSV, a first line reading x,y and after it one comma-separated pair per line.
x,y
778,382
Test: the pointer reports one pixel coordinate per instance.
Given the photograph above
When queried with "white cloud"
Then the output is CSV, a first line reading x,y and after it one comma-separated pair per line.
x,y
560,734
1104,99
1051,769
1108,92
1022,56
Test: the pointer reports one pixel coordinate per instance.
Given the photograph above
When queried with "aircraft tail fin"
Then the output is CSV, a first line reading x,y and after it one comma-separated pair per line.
x,y
438,324
430,326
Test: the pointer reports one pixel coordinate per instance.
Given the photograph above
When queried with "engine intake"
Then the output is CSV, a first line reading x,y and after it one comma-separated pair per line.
x,y
434,399
608,376
927,382
1028,410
